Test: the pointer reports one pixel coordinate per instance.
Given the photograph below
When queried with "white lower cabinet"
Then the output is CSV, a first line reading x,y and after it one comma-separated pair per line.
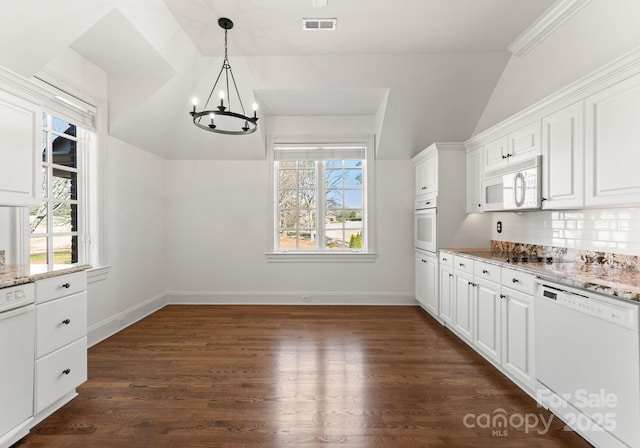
x,y
494,316
517,336
61,341
487,318
426,277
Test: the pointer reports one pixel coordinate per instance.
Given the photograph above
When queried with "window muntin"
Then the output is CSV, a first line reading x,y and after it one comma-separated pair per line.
x,y
320,198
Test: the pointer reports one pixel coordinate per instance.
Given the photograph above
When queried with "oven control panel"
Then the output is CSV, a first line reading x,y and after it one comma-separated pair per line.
x,y
16,296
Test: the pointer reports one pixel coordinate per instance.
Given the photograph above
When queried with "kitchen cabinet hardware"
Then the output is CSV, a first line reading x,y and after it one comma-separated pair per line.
x,y
66,371
515,280
461,265
543,199
423,260
66,285
66,321
444,259
502,296
450,275
484,271
424,188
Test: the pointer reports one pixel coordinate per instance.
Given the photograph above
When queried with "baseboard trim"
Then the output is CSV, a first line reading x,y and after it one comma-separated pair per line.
x,y
109,327
288,298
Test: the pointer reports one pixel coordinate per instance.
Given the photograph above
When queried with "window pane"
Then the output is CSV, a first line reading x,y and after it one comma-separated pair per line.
x,y
307,219
353,163
44,146
38,219
333,163
65,184
333,199
353,198
45,182
64,152
333,178
288,199
306,178
353,218
63,127
307,239
353,178
65,249
288,219
306,164
38,250
288,179
65,217
307,198
334,234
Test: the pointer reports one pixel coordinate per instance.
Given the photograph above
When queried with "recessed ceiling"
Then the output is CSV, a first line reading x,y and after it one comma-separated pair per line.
x,y
273,27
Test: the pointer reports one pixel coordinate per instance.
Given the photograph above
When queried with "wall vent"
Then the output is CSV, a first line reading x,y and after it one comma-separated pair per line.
x,y
319,24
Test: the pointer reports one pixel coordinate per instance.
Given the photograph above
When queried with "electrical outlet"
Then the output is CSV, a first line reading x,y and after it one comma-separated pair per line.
x,y
306,299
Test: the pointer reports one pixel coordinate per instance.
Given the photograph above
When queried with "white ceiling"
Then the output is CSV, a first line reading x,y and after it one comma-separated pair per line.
x,y
423,70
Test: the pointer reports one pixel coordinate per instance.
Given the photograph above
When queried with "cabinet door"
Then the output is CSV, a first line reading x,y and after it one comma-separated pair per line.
x,y
446,295
463,306
563,152
612,142
19,142
524,143
474,165
495,154
431,174
426,279
517,336
487,319
420,179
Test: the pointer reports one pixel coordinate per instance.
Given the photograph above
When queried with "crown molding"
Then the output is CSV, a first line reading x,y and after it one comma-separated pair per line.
x,y
547,23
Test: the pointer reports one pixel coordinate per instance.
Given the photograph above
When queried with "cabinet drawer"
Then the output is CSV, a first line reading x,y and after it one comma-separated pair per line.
x,y
60,286
446,259
463,264
60,322
60,372
520,281
487,271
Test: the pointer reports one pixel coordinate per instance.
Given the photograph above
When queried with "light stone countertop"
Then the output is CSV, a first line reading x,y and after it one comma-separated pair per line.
x,y
12,274
611,281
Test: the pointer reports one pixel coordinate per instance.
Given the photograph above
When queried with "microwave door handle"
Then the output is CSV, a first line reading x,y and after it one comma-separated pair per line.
x,y
518,179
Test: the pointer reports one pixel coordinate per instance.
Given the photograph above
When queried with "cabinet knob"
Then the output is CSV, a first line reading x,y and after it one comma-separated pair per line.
x,y
427,203
515,280
66,321
66,371
479,205
502,296
450,275
543,199
423,260
484,271
423,188
66,285
504,157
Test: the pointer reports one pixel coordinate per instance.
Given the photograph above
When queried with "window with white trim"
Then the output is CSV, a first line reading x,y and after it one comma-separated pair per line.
x,y
57,227
321,200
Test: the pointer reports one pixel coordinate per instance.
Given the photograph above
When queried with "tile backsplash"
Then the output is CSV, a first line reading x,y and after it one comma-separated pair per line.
x,y
615,230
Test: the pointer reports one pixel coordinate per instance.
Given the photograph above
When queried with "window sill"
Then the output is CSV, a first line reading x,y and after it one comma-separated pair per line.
x,y
318,257
98,274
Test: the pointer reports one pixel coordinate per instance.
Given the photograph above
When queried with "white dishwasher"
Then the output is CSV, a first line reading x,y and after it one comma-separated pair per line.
x,y
17,342
588,363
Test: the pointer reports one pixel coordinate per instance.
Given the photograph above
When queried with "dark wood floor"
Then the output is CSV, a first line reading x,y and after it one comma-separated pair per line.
x,y
276,376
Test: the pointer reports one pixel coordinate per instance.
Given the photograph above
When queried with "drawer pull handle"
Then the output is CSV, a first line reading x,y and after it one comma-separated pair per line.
x,y
66,321
502,296
66,371
423,188
66,285
444,259
461,265
515,280
450,275
484,271
423,260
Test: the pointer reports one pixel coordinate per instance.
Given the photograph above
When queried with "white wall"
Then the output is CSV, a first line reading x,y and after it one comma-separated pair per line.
x,y
607,230
135,238
218,230
600,32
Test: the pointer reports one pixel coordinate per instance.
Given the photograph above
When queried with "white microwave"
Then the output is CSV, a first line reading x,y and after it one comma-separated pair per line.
x,y
516,187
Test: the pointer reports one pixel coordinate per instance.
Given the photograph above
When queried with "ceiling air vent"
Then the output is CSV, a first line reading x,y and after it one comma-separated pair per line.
x,y
319,24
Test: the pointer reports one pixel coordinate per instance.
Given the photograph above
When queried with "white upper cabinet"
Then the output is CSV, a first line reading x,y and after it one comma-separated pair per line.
x,y
563,158
427,175
515,147
474,196
20,179
612,145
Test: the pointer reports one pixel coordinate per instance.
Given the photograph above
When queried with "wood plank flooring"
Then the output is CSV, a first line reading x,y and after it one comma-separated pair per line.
x,y
278,376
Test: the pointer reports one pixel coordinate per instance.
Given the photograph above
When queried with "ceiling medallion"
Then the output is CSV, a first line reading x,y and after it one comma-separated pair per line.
x,y
222,119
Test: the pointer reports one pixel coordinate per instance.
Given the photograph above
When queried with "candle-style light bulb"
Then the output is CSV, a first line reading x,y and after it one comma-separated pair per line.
x,y
255,110
194,101
212,124
222,100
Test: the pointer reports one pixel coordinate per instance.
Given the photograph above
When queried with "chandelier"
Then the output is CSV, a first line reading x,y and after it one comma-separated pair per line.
x,y
222,119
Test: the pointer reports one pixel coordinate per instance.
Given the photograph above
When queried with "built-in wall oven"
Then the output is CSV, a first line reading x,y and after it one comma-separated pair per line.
x,y
425,225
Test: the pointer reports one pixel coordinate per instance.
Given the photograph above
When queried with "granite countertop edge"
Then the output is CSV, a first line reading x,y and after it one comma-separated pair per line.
x,y
590,277
13,275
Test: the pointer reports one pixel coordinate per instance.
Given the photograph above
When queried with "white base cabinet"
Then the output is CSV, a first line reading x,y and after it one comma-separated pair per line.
x,y
491,308
426,277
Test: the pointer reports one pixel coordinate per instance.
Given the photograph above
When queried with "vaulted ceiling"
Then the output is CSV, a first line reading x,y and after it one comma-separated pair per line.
x,y
420,70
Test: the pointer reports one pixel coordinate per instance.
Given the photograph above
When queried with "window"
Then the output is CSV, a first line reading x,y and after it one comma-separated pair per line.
x,y
56,227
321,201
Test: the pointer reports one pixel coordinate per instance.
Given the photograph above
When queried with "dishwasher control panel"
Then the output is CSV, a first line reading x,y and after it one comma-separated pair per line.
x,y
16,296
623,314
